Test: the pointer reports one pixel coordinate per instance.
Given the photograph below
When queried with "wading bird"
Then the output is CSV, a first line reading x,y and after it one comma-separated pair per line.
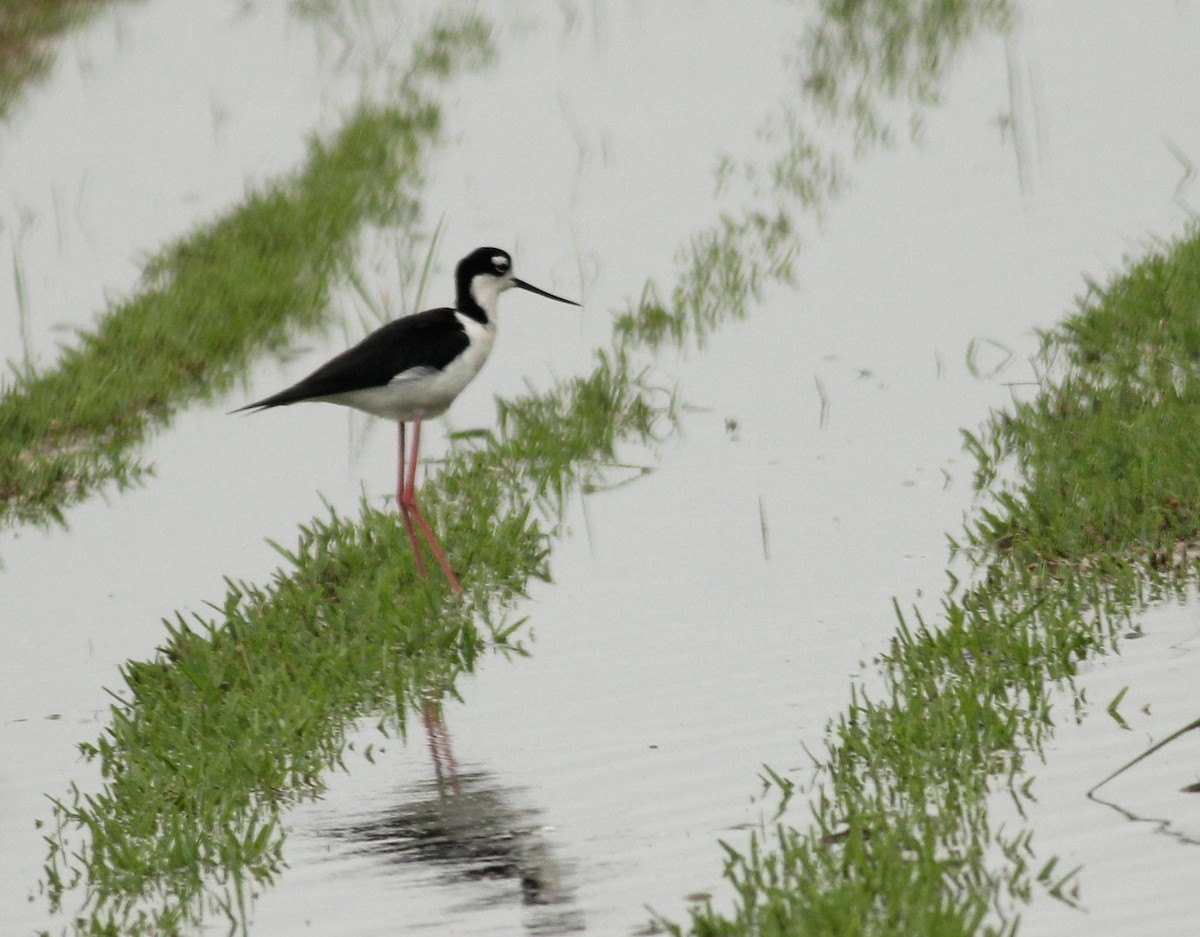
x,y
413,368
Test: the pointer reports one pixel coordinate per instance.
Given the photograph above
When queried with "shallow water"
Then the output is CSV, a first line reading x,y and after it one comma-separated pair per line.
x,y
1136,837
679,647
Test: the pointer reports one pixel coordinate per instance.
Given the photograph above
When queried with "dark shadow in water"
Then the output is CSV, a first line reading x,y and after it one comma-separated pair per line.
x,y
472,831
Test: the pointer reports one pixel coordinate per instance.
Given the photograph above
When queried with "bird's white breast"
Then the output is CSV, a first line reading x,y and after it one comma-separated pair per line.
x,y
426,392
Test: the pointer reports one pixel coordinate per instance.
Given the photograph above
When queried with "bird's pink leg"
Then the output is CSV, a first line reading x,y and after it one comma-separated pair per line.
x,y
410,507
403,503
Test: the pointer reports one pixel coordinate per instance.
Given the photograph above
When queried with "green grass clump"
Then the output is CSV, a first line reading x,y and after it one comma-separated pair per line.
x,y
217,298
1097,477
229,724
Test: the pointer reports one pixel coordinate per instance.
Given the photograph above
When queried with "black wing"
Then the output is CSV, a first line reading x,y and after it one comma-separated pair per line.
x,y
430,339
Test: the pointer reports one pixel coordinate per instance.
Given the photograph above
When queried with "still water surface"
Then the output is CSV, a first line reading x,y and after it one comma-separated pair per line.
x,y
702,621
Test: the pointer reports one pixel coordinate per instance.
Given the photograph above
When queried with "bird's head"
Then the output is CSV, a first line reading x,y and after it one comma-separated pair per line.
x,y
484,274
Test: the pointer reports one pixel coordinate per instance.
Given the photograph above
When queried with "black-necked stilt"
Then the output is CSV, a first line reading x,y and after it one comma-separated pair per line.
x,y
414,367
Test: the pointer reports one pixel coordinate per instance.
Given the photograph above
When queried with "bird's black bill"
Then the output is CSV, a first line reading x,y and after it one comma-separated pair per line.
x,y
533,289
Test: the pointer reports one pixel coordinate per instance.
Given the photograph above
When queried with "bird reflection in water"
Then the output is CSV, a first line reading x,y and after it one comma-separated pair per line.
x,y
469,828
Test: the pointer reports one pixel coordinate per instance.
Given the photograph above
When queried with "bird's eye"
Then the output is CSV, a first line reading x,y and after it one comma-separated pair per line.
x,y
500,263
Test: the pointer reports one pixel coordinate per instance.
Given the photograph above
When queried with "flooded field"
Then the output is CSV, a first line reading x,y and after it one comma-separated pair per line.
x,y
715,582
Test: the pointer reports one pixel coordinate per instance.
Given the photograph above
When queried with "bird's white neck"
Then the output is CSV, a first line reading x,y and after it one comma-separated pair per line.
x,y
486,290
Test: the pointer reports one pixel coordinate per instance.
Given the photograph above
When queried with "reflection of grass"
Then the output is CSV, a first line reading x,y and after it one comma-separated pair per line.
x,y
214,299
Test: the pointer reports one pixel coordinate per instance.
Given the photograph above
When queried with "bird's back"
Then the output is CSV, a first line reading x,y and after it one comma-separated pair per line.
x,y
426,342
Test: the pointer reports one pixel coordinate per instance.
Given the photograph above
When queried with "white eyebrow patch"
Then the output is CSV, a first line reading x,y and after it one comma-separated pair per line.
x,y
500,262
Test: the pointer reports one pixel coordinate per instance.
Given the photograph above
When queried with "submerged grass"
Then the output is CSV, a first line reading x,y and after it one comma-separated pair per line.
x,y
219,296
